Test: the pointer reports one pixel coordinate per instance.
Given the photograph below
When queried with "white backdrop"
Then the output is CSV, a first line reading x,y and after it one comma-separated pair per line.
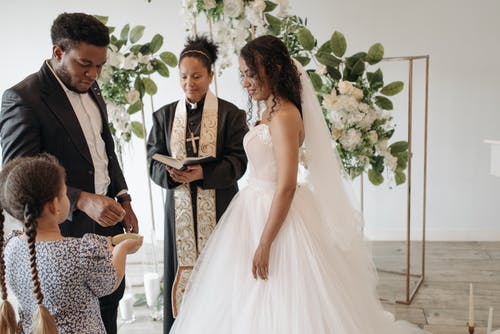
x,y
462,38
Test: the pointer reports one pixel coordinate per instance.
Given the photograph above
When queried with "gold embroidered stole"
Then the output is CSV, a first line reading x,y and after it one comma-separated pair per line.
x,y
188,248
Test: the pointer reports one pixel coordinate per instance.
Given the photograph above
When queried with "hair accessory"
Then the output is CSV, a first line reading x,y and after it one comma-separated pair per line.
x,y
195,51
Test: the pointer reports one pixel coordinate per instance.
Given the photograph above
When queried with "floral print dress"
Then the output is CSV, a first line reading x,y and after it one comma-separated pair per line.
x,y
73,272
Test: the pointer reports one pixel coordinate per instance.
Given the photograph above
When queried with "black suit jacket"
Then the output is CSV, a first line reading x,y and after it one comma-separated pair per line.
x,y
37,117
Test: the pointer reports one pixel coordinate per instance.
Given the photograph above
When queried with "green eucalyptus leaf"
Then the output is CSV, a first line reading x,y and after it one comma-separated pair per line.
x,y
375,54
302,60
338,43
316,80
161,68
375,177
334,73
270,6
327,59
355,58
398,147
149,86
399,177
133,108
383,102
137,129
402,160
136,33
326,47
111,30
120,43
146,49
306,39
124,32
135,49
358,68
139,86
393,88
378,164
156,43
375,79
169,58
274,23
102,19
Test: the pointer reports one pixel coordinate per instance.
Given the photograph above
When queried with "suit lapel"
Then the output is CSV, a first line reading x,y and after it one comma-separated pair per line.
x,y
56,100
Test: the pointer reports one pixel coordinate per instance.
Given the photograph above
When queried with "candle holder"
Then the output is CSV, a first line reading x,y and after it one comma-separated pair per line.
x,y
471,328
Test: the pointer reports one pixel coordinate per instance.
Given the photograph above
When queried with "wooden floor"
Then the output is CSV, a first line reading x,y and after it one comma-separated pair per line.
x,y
441,304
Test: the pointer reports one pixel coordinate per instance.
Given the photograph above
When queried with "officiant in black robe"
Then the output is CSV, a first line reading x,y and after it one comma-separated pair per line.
x,y
198,125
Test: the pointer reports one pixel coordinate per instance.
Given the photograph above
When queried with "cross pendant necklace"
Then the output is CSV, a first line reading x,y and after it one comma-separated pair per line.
x,y
193,139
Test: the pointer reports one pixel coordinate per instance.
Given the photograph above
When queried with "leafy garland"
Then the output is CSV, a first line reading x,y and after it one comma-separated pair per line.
x,y
126,78
354,98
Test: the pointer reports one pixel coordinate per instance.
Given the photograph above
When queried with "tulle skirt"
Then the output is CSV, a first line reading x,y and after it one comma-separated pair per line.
x,y
314,285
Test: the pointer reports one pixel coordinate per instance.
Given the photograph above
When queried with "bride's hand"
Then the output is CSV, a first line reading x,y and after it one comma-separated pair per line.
x,y
260,266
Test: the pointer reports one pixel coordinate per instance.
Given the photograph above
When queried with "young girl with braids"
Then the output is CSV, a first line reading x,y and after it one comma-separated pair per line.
x,y
56,280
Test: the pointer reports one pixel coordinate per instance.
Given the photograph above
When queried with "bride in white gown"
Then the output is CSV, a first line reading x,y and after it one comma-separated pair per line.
x,y
286,258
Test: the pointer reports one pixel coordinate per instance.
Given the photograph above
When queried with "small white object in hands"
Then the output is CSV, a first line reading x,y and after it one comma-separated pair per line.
x,y
115,240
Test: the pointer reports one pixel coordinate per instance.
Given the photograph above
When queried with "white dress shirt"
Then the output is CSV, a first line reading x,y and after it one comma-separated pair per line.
x,y
90,120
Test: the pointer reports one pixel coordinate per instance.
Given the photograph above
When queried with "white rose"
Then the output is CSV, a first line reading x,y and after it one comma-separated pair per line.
x,y
143,59
357,93
131,62
209,4
259,5
350,139
105,74
345,87
254,16
391,162
115,58
381,147
372,136
283,7
233,8
337,133
133,96
329,100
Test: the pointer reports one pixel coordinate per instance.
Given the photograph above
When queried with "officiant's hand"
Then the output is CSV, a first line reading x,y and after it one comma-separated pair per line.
x,y
190,174
260,267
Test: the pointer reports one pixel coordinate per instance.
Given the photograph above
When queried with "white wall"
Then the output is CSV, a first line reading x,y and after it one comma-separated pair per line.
x,y
461,37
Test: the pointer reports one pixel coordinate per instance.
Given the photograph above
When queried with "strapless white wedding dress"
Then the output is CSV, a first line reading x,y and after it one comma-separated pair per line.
x,y
314,286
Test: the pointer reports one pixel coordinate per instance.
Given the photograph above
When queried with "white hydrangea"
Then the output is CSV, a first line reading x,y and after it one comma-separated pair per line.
x,y
233,8
351,139
131,61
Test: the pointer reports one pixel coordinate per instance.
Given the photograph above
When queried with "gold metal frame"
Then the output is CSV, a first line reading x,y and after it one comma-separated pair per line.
x,y
409,295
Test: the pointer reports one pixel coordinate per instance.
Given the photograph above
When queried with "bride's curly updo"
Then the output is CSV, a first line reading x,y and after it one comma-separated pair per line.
x,y
270,53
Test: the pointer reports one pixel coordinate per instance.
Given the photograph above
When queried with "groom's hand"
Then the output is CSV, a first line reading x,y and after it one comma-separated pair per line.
x,y
102,209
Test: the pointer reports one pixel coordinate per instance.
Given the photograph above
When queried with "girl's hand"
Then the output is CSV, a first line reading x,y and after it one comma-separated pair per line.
x,y
260,266
131,245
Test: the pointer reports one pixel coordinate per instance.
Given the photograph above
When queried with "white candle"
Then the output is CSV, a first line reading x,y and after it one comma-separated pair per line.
x,y
151,288
471,305
126,308
490,321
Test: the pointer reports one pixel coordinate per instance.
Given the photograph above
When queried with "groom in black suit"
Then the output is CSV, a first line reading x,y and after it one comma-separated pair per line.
x,y
60,110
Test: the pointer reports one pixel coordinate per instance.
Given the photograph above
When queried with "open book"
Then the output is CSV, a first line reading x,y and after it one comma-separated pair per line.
x,y
181,163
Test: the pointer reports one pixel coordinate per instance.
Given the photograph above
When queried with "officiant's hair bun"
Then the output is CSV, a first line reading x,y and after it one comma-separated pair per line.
x,y
69,29
202,48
